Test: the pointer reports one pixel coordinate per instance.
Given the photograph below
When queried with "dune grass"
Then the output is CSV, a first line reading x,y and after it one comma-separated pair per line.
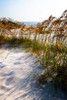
x,y
55,61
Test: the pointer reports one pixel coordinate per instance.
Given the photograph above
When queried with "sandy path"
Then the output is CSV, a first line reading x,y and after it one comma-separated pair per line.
x,y
17,73
17,77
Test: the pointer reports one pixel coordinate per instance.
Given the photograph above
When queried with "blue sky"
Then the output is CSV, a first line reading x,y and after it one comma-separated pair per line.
x,y
31,10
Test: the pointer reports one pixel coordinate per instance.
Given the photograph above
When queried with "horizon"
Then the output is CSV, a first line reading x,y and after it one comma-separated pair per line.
x,y
31,10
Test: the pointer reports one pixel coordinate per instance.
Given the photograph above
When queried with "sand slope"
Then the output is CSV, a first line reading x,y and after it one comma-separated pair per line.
x,y
17,77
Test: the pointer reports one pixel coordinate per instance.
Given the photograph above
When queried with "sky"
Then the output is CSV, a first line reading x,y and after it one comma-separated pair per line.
x,y
32,10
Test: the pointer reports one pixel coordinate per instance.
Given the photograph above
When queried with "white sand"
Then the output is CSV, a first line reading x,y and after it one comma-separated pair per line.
x,y
17,76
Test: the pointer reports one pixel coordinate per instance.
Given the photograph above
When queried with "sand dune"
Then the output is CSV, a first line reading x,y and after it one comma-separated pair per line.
x,y
17,76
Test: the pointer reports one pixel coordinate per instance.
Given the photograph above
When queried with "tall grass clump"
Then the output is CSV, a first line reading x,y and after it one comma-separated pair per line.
x,y
37,47
2,39
54,59
13,41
